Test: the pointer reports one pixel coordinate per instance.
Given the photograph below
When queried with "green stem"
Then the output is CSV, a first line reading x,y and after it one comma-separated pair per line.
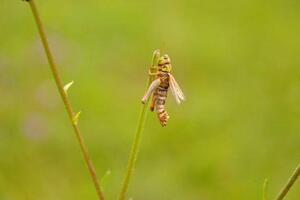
x,y
65,99
289,184
137,138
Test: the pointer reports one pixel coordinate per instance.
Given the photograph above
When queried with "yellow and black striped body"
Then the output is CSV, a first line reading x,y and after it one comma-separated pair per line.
x,y
160,96
159,88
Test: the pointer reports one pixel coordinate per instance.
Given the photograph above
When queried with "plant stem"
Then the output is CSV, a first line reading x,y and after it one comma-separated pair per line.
x,y
65,99
289,184
137,138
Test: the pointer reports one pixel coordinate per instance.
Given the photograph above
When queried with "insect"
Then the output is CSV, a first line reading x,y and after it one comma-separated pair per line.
x,y
159,89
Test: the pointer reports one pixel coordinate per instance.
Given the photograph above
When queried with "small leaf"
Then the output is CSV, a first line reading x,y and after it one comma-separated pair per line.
x,y
67,86
104,178
76,118
107,173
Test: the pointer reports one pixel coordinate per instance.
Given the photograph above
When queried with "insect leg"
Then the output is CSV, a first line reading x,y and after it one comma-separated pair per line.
x,y
152,73
151,89
152,104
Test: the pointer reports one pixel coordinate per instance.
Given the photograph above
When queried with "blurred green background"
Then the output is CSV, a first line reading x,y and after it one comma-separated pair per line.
x,y
237,62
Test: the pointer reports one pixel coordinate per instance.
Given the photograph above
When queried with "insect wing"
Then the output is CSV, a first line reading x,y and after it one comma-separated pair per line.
x,y
151,89
176,91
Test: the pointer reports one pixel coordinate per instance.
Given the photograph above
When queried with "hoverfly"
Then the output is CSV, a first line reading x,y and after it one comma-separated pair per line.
x,y
159,88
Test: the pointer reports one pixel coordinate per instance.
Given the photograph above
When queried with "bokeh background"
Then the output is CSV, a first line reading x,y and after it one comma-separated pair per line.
x,y
237,62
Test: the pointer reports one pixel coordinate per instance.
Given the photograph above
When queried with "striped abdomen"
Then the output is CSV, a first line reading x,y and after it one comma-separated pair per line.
x,y
160,96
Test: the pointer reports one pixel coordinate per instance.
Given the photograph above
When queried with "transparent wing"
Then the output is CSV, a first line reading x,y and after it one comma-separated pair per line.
x,y
176,91
151,89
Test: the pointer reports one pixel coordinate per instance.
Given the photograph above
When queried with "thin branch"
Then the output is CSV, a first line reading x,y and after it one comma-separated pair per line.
x,y
289,184
65,99
137,138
